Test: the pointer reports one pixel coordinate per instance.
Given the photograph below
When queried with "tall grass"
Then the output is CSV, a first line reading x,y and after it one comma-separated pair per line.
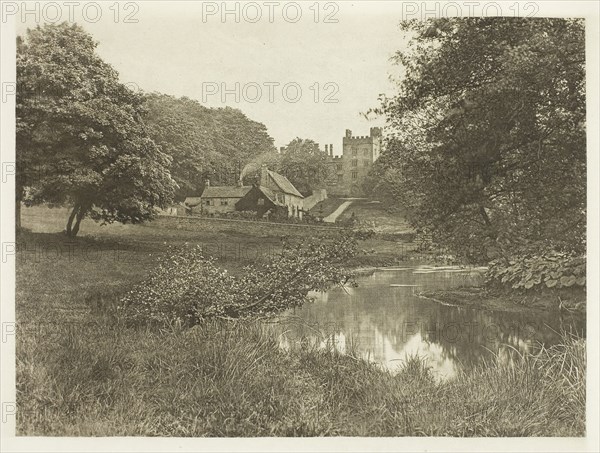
x,y
233,379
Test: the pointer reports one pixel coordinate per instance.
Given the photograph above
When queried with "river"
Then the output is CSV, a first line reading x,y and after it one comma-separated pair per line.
x,y
384,321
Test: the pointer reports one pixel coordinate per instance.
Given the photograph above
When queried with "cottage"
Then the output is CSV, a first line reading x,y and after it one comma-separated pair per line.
x,y
275,193
263,201
217,199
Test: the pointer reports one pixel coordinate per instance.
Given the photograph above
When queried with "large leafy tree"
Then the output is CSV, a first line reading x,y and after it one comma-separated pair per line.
x,y
205,143
301,161
239,137
487,134
81,140
185,131
304,164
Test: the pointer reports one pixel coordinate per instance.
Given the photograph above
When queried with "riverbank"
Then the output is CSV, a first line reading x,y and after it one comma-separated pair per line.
x,y
572,302
232,379
80,372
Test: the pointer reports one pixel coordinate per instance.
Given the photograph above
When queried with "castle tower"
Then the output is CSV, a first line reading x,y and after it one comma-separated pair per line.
x,y
348,171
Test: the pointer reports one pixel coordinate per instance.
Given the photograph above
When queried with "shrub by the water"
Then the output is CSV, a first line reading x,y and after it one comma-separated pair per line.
x,y
187,287
549,270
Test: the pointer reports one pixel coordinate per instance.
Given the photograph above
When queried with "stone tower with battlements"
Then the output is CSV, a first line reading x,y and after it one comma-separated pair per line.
x,y
348,171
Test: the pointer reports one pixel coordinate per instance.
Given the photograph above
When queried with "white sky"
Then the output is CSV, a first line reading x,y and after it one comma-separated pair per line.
x,y
172,50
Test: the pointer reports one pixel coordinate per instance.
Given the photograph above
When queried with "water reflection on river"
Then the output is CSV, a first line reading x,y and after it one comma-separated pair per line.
x,y
385,323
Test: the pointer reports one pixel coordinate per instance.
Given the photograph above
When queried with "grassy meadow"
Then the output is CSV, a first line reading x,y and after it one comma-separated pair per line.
x,y
81,372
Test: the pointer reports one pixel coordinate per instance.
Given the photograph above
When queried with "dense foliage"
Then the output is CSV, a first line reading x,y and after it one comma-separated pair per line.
x,y
80,136
87,141
551,270
300,161
187,288
304,164
487,147
205,143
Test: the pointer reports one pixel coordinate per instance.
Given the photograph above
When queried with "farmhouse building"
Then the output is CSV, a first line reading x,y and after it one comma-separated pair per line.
x,y
274,192
262,200
217,199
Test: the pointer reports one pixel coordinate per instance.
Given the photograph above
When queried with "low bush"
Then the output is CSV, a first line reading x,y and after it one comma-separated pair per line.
x,y
550,270
186,287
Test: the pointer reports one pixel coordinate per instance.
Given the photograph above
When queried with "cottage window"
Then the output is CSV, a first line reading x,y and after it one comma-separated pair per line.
x,y
224,202
208,203
261,202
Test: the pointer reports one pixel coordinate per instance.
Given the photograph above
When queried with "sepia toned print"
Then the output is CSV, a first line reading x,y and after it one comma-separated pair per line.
x,y
290,219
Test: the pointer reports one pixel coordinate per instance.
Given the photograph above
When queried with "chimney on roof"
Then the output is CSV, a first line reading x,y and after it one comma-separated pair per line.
x,y
207,182
326,149
331,150
264,175
348,133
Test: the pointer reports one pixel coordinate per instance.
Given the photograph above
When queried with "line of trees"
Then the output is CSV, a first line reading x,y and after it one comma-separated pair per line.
x,y
204,143
87,141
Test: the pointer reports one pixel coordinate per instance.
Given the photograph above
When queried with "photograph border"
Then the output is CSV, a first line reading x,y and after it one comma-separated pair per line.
x,y
10,442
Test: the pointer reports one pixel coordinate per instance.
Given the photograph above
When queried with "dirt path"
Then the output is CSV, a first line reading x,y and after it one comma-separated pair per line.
x,y
331,218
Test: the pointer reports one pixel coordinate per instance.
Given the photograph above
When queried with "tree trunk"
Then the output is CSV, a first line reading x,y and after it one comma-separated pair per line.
x,y
70,221
485,216
18,198
80,216
18,214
